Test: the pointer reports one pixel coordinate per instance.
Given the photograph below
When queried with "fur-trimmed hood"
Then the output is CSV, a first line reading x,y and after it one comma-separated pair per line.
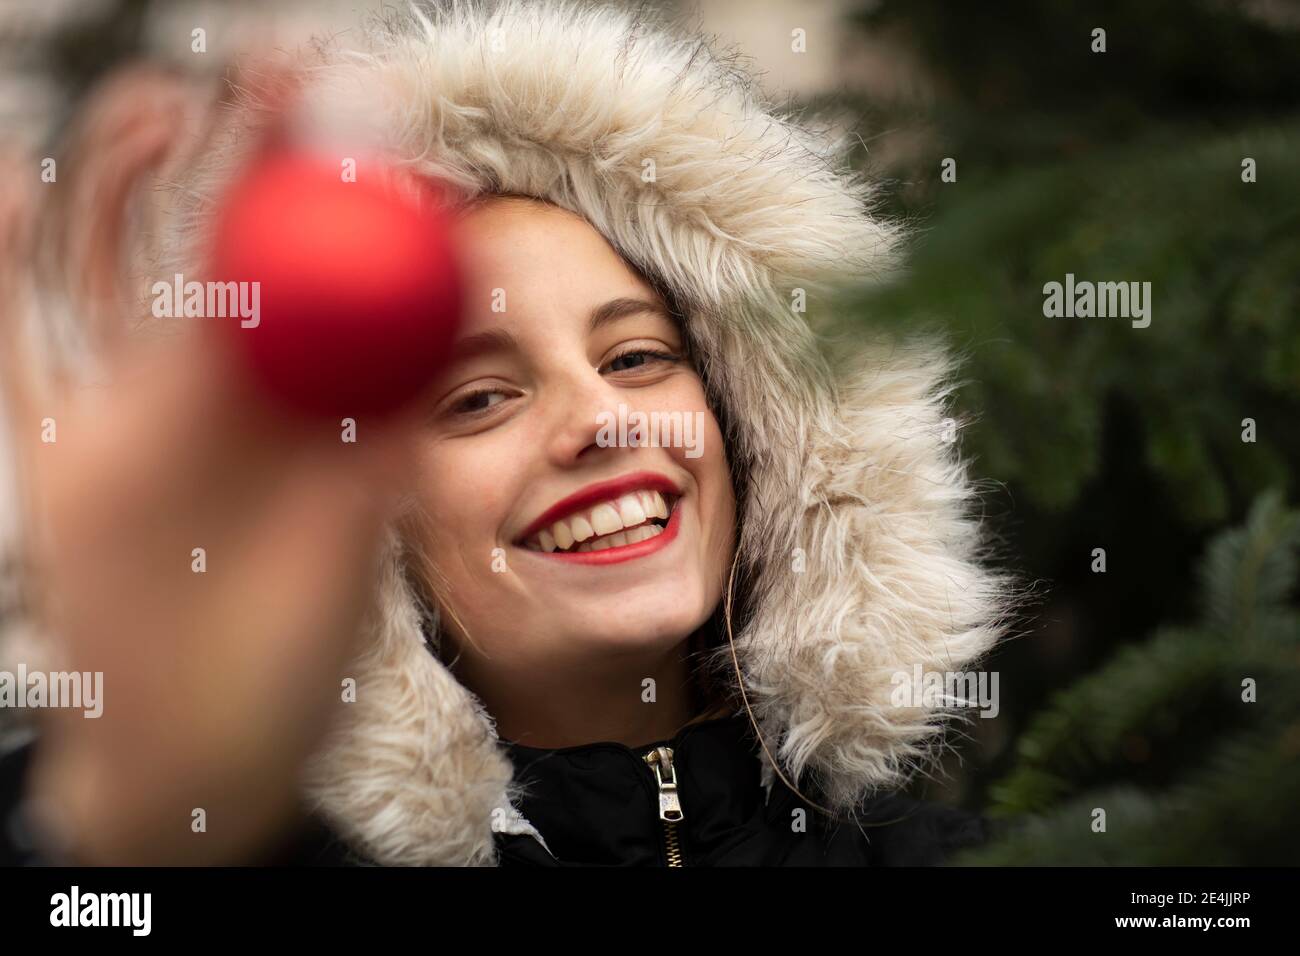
x,y
857,541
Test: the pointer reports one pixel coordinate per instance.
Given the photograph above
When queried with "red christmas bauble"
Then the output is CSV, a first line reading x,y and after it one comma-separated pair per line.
x,y
359,288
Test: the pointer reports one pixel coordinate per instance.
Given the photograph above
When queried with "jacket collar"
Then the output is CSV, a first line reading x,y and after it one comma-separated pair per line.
x,y
599,803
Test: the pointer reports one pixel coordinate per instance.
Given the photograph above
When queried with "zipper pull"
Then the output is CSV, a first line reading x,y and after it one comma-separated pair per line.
x,y
660,760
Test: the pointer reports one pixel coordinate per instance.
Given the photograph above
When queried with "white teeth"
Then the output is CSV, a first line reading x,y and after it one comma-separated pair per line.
x,y
660,506
638,534
630,510
611,524
605,519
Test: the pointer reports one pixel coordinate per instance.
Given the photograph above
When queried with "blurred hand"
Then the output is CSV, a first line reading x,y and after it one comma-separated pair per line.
x,y
217,684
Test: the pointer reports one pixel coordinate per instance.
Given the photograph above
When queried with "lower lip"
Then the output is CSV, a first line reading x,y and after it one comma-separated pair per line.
x,y
625,552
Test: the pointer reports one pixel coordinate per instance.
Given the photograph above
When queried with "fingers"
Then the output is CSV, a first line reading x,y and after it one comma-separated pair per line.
x,y
141,123
17,204
138,125
17,216
123,132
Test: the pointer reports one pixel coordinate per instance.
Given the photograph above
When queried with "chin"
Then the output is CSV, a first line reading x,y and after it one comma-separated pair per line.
x,y
643,619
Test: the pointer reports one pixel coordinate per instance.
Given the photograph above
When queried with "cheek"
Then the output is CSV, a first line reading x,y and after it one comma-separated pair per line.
x,y
464,511
718,500
708,465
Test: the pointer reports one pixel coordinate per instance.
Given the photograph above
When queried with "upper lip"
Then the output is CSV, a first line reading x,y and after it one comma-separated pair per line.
x,y
595,493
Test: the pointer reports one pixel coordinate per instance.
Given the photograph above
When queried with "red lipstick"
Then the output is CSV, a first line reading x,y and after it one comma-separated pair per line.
x,y
594,494
626,552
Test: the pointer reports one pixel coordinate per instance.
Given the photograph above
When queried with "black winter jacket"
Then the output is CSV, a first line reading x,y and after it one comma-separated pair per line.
x,y
599,804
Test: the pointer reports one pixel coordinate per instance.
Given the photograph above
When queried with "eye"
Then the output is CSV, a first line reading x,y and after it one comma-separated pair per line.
x,y
636,359
475,403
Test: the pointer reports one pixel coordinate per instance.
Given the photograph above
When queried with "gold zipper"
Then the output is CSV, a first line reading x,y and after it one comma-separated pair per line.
x,y
660,760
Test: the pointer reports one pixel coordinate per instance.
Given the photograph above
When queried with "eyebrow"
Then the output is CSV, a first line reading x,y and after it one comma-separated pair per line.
x,y
624,306
501,340
484,343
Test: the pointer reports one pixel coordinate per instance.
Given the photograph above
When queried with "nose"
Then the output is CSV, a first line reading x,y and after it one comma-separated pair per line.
x,y
574,407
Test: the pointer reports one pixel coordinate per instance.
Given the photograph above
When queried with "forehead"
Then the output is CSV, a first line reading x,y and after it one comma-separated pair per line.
x,y
531,248
537,272
496,215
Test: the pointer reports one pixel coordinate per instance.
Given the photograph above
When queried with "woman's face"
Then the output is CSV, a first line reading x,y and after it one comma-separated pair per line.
x,y
552,537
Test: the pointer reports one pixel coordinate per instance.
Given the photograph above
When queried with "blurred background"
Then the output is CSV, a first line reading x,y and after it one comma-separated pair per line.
x,y
1172,447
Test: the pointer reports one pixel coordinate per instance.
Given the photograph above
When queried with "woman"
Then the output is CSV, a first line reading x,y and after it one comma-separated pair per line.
x,y
590,648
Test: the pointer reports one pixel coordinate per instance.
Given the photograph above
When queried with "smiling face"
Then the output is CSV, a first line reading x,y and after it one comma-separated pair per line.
x,y
551,543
